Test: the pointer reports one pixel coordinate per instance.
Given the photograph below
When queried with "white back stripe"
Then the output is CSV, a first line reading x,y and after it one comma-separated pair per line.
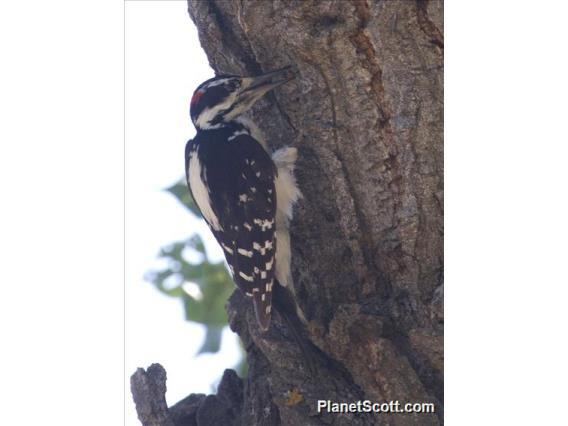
x,y
200,192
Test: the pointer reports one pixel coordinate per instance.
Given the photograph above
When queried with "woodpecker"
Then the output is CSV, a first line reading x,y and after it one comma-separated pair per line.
x,y
244,192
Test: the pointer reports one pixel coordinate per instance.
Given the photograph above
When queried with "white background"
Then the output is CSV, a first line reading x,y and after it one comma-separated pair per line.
x,y
62,215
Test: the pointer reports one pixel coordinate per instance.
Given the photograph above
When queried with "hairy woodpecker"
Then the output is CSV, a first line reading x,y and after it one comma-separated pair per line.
x,y
244,192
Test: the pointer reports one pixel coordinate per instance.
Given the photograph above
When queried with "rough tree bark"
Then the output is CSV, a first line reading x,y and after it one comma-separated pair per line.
x,y
366,114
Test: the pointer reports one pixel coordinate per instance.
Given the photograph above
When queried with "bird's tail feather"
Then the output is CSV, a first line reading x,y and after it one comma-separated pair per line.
x,y
262,308
285,304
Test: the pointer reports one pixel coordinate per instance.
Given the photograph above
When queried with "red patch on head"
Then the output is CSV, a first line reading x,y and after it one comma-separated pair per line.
x,y
196,96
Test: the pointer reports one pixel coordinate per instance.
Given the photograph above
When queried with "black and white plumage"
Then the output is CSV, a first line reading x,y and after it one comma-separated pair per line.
x,y
244,194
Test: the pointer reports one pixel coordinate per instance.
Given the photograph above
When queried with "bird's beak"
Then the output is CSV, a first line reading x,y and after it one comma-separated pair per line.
x,y
254,88
258,86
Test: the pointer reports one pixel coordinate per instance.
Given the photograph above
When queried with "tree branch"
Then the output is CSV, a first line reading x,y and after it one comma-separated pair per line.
x,y
149,389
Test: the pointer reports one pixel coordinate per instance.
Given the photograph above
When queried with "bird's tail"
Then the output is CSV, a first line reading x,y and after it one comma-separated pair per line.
x,y
285,304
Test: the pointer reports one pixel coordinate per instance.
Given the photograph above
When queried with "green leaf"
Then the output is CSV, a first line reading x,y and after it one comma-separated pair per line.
x,y
216,287
206,306
159,278
173,250
196,243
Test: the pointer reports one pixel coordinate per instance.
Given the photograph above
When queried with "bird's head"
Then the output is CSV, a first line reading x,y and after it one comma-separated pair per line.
x,y
223,98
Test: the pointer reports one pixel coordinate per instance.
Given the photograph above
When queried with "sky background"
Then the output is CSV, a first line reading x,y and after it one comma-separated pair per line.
x,y
164,64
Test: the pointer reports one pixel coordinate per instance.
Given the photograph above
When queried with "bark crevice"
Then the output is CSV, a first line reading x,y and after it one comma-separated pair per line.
x,y
427,26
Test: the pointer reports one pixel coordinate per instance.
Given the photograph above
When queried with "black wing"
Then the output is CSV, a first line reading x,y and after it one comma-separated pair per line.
x,y
240,178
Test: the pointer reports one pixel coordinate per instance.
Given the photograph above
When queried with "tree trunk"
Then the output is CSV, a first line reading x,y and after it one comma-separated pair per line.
x,y
366,114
